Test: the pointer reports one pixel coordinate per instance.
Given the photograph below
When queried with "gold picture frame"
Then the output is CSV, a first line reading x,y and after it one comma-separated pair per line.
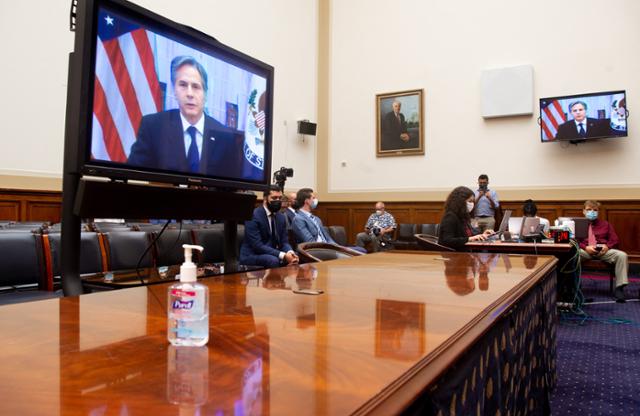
x,y
399,132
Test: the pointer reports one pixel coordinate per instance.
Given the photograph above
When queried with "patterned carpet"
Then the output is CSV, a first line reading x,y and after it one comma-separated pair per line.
x,y
599,353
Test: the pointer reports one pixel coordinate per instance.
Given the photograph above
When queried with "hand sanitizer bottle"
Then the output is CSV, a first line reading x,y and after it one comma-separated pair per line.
x,y
188,308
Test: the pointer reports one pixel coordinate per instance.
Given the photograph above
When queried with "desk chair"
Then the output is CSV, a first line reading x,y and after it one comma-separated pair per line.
x,y
430,243
405,237
124,249
601,266
22,261
313,252
338,233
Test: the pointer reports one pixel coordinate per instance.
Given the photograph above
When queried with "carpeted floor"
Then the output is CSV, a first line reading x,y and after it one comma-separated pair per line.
x,y
599,354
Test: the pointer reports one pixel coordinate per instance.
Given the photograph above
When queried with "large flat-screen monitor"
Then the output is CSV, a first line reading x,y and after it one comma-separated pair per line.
x,y
583,117
163,102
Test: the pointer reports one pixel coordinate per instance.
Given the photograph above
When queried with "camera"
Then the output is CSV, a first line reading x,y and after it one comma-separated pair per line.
x,y
484,188
280,176
375,231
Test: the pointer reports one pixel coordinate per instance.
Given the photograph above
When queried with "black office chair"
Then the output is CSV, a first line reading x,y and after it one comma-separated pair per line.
x,y
430,243
91,260
168,247
22,263
405,239
338,233
313,252
212,240
430,229
601,266
125,248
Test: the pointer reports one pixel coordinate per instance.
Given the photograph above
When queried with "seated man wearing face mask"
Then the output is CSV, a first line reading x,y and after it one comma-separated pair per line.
x,y
306,226
265,237
378,230
600,244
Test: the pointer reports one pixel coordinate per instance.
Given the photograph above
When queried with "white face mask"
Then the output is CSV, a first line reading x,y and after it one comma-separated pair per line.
x,y
469,206
379,212
314,203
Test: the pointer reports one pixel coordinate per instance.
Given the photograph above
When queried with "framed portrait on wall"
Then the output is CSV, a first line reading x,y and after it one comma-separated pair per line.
x,y
399,124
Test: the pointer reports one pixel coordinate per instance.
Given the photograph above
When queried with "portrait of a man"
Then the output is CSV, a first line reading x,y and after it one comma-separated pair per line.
x,y
399,124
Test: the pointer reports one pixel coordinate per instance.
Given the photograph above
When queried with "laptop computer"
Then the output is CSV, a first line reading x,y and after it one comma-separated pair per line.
x,y
503,225
530,226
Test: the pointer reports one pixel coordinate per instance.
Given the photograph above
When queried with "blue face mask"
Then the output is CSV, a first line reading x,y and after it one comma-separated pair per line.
x,y
591,215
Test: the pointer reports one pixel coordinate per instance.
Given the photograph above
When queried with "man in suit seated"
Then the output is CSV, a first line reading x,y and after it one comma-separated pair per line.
x,y
265,237
600,244
288,202
581,127
185,139
306,226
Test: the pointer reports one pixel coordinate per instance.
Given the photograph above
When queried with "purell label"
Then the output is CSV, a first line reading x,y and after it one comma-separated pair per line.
x,y
182,293
182,304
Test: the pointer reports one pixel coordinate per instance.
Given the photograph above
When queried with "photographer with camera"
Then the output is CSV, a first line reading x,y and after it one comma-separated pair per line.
x,y
485,205
378,230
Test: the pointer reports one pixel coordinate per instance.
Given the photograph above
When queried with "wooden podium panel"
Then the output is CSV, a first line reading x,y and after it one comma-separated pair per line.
x,y
386,328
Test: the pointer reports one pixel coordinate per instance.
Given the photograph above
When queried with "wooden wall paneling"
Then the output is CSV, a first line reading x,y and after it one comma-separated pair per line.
x,y
9,210
627,226
427,215
359,217
43,211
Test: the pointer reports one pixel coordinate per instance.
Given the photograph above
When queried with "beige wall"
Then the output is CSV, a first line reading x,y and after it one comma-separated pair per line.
x,y
282,33
377,46
332,57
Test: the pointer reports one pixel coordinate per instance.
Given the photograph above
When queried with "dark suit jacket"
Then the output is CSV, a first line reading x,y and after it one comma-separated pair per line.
x,y
257,236
569,131
391,130
160,145
290,217
451,232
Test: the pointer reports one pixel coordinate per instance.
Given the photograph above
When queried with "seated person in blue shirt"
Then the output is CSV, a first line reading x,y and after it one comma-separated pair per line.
x,y
306,226
378,230
265,237
486,203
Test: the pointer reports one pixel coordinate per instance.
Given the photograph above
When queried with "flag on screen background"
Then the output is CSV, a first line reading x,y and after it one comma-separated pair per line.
x,y
126,86
551,117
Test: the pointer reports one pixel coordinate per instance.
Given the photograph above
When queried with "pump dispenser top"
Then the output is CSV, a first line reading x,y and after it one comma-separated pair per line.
x,y
188,270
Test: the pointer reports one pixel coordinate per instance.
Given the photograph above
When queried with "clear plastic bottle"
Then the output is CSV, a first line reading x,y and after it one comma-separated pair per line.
x,y
188,306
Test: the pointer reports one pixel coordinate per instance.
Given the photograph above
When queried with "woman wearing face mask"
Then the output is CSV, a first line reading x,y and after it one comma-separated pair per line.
x,y
455,228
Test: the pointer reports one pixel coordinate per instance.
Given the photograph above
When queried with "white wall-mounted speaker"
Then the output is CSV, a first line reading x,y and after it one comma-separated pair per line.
x,y
507,91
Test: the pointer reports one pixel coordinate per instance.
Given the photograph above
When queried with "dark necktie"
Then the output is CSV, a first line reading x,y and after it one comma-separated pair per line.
x,y
581,131
192,155
274,233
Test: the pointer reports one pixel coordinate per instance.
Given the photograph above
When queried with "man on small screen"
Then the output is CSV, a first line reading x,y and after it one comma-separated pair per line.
x,y
581,126
185,139
394,128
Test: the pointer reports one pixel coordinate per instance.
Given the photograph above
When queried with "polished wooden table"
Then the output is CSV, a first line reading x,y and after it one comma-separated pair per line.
x,y
387,327
522,248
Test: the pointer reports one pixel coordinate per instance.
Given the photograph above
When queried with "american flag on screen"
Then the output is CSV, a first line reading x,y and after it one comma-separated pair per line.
x,y
551,117
126,86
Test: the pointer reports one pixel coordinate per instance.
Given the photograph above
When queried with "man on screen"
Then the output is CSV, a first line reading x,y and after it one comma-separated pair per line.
x,y
581,127
185,139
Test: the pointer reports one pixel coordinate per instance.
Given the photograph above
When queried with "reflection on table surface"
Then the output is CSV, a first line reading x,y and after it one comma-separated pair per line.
x,y
153,275
270,350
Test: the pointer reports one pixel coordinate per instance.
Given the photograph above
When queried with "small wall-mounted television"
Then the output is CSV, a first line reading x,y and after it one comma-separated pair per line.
x,y
163,102
583,117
